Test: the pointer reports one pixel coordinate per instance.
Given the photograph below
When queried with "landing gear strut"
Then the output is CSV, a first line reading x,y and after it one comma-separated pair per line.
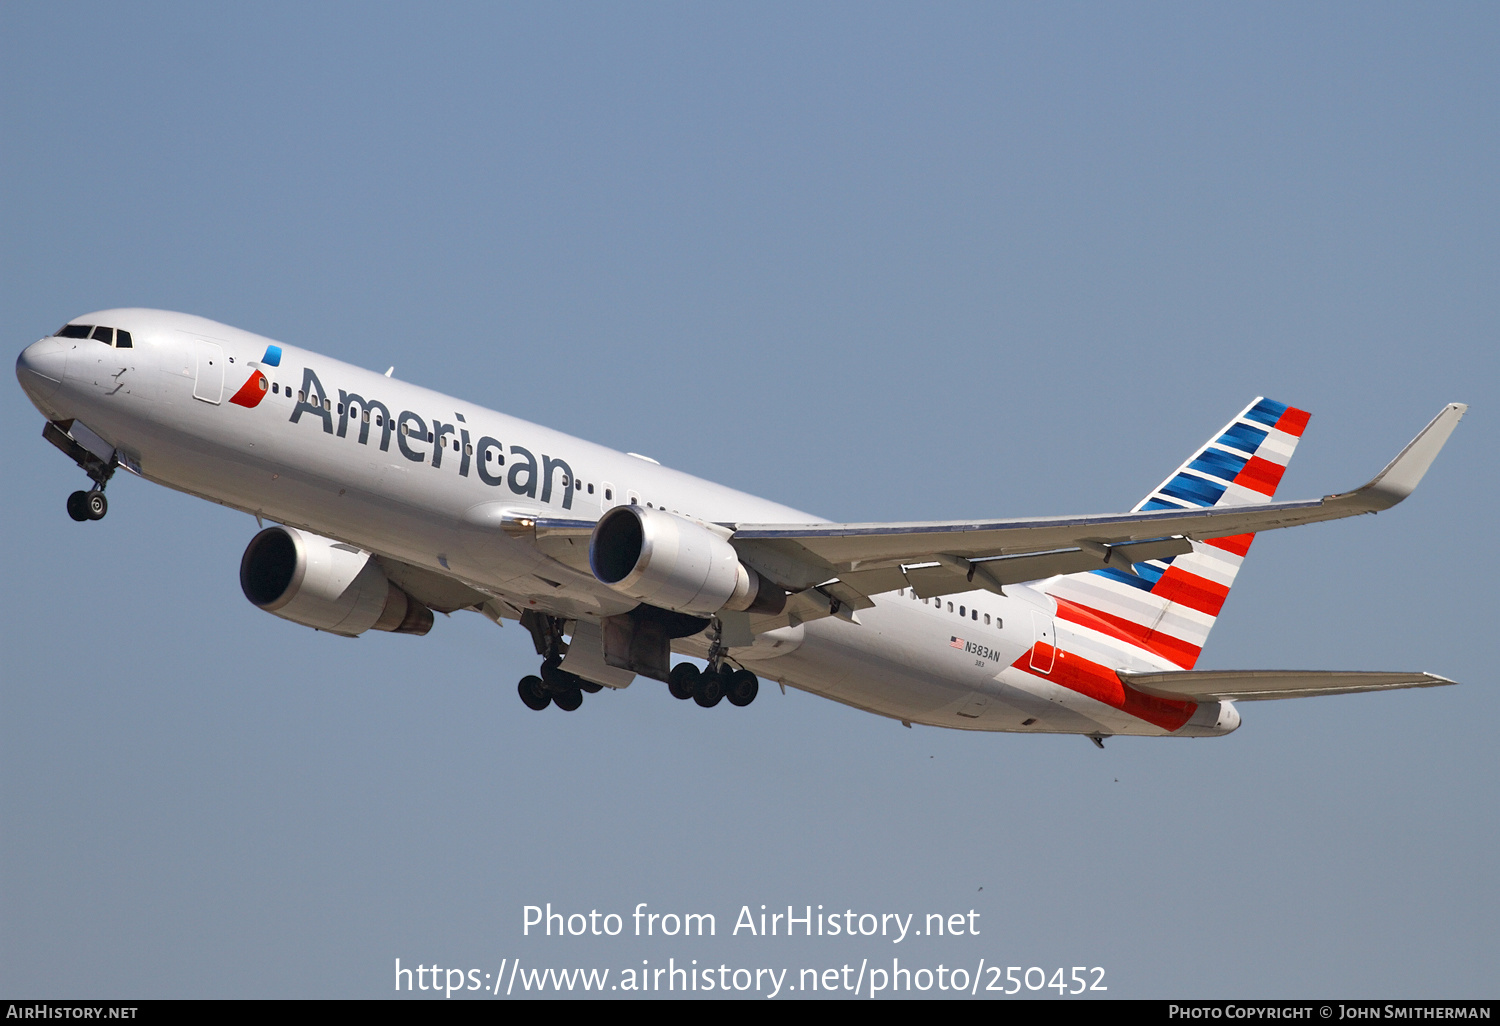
x,y
89,505
555,686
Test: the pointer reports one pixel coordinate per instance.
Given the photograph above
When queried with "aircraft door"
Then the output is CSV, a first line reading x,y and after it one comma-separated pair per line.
x,y
209,383
1044,647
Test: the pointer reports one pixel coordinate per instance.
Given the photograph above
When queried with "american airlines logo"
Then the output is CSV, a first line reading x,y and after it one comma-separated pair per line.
x,y
486,456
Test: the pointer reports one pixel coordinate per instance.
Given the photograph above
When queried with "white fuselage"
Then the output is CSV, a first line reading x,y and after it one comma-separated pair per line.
x,y
165,405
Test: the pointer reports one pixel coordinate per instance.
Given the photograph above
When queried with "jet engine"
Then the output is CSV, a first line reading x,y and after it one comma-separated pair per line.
x,y
677,564
327,585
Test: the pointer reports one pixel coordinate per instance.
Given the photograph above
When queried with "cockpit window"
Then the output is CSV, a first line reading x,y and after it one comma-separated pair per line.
x,y
109,336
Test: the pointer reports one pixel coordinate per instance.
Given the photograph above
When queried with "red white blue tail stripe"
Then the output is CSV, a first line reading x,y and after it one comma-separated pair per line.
x,y
1163,612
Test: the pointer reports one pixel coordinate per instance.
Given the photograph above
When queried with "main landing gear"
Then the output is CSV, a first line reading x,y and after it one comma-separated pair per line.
x,y
718,681
708,687
555,685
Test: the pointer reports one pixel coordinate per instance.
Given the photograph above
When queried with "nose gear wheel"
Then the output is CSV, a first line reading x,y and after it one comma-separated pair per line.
x,y
89,505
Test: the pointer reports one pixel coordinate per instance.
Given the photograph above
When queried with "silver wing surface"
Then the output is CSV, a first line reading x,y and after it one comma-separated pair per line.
x,y
849,562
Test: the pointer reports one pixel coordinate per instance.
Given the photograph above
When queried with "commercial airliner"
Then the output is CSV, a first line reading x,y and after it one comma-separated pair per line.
x,y
389,501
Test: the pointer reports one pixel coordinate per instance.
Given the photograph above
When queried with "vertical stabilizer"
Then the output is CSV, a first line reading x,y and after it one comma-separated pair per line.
x,y
1168,606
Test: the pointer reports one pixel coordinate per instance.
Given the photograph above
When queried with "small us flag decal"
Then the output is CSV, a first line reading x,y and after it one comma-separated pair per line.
x,y
955,642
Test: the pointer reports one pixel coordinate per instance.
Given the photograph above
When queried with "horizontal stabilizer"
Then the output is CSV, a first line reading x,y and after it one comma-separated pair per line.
x,y
1257,685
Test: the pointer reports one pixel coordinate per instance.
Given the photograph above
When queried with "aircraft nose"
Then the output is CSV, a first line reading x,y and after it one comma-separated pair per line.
x,y
41,366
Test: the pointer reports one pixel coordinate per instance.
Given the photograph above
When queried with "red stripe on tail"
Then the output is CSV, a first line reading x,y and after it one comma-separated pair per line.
x,y
1191,590
1173,650
1239,544
1293,421
1260,476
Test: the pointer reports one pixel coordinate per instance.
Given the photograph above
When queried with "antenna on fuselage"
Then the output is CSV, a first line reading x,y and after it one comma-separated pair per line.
x,y
389,369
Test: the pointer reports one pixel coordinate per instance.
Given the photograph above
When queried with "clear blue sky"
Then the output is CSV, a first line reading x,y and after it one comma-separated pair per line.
x,y
874,261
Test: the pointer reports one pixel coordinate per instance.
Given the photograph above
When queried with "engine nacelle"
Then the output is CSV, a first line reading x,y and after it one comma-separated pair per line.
x,y
326,584
674,563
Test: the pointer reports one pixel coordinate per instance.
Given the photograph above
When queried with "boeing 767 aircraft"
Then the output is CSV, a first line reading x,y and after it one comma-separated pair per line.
x,y
390,501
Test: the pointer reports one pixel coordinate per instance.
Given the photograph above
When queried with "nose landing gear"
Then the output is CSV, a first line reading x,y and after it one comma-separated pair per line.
x,y
89,505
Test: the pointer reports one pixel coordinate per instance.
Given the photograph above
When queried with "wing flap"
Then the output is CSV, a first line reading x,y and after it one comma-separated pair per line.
x,y
809,604
1261,685
875,582
434,590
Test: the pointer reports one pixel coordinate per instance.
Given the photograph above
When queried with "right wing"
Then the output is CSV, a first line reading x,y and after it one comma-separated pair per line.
x,y
849,562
